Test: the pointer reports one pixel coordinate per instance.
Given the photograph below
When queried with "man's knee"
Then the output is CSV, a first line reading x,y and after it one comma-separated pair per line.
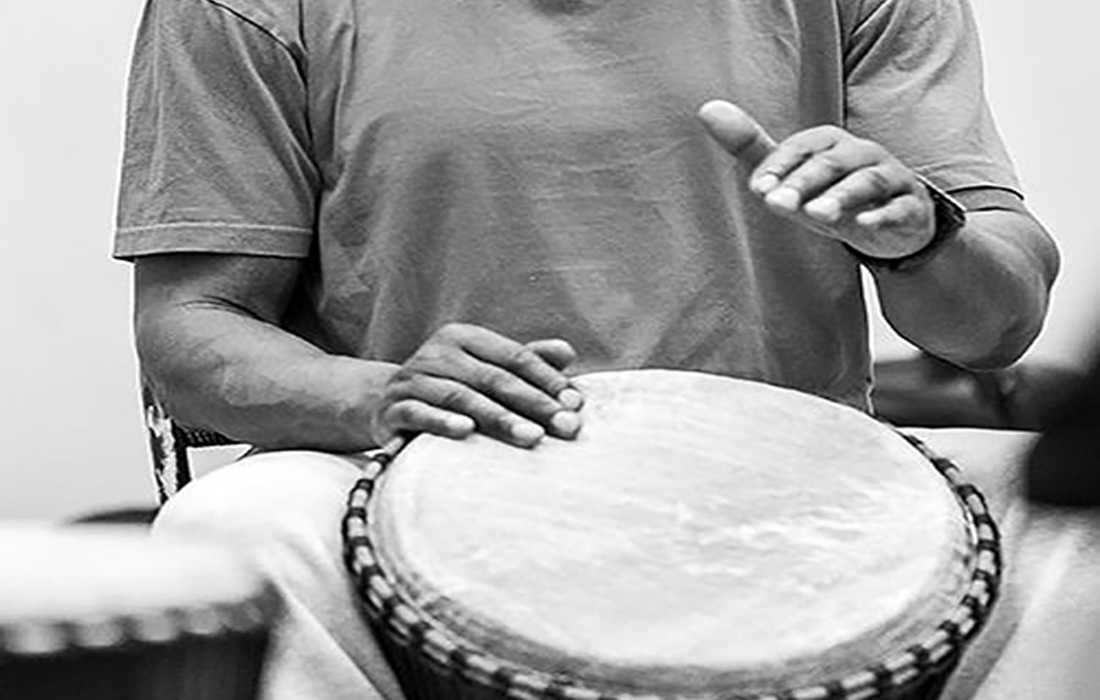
x,y
262,495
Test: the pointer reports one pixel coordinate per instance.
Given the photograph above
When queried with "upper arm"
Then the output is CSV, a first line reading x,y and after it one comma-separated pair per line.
x,y
914,84
179,283
218,153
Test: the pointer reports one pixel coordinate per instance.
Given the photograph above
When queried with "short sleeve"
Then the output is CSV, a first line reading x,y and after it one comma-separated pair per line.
x,y
914,83
217,148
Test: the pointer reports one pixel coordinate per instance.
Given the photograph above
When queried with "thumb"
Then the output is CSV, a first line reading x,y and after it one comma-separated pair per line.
x,y
736,131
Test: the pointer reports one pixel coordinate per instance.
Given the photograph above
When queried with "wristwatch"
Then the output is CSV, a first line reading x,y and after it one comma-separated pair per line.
x,y
949,217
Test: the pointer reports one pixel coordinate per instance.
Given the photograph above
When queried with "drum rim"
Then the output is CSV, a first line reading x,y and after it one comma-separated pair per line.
x,y
380,600
43,636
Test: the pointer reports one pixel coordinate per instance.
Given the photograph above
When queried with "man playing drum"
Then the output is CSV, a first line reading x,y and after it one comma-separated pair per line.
x,y
353,219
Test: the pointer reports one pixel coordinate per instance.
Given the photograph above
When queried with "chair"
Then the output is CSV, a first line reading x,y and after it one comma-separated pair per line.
x,y
169,443
925,391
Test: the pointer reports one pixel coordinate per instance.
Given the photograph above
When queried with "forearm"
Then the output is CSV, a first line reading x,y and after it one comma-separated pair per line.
x,y
219,368
982,300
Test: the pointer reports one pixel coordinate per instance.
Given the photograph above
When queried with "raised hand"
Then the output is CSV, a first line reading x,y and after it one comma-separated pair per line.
x,y
831,181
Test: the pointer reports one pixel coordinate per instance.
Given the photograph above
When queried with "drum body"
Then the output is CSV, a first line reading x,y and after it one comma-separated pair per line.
x,y
105,613
703,538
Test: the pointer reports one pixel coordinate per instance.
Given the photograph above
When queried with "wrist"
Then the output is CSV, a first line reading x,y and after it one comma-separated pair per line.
x,y
949,218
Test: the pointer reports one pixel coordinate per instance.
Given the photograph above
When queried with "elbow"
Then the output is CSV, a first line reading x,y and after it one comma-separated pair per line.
x,y
1006,350
1002,336
153,343
1000,344
169,363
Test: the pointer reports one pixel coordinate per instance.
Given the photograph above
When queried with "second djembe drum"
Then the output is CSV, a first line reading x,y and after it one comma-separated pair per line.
x,y
107,613
703,538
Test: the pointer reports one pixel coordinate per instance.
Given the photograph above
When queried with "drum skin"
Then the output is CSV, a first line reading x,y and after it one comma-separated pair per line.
x,y
106,613
704,537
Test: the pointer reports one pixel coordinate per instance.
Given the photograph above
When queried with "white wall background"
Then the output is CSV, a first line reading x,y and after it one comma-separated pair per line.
x,y
70,433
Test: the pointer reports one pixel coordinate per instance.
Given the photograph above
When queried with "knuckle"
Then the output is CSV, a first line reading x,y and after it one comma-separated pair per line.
x,y
401,383
499,382
831,163
452,331
522,358
424,355
452,397
397,415
434,357
401,375
868,150
877,178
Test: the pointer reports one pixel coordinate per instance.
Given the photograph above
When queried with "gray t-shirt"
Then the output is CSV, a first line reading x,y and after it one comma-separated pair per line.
x,y
536,167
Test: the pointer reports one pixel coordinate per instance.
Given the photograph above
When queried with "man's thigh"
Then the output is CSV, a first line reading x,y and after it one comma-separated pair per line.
x,y
285,509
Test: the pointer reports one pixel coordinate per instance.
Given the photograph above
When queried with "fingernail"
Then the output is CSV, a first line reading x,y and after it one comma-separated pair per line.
x,y
765,183
565,423
571,399
824,209
527,433
785,197
868,218
461,425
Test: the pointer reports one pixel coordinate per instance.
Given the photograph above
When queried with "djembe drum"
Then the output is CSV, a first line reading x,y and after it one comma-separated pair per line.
x,y
106,613
703,538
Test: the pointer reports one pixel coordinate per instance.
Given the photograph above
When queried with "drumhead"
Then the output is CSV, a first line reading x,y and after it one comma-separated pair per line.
x,y
702,534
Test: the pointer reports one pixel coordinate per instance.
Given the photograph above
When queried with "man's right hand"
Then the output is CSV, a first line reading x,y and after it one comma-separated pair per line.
x,y
466,378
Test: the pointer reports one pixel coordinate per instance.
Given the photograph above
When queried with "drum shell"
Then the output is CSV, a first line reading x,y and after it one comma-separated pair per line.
x,y
422,678
109,613
227,666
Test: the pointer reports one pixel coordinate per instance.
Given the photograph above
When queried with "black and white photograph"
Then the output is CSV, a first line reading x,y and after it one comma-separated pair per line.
x,y
550,350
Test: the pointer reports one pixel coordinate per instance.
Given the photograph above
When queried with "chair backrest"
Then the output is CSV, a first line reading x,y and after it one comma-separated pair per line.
x,y
169,443
926,391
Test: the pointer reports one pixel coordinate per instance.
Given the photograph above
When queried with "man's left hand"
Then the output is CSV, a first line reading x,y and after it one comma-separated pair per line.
x,y
835,183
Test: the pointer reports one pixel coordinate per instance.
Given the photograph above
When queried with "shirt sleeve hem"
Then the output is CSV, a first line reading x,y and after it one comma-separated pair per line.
x,y
962,177
242,239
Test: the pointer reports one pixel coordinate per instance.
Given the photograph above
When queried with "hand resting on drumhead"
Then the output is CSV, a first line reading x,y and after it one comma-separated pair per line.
x,y
466,378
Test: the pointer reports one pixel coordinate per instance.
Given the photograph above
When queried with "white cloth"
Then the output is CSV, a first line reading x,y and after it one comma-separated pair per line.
x,y
286,508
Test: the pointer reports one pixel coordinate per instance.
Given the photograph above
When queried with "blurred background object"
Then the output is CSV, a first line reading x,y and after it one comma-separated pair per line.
x,y
1065,465
923,390
105,613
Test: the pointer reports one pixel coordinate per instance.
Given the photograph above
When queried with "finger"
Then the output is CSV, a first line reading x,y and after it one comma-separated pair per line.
x,y
510,374
826,169
868,187
455,397
561,355
904,211
737,132
502,389
558,353
414,416
516,359
790,154
527,406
